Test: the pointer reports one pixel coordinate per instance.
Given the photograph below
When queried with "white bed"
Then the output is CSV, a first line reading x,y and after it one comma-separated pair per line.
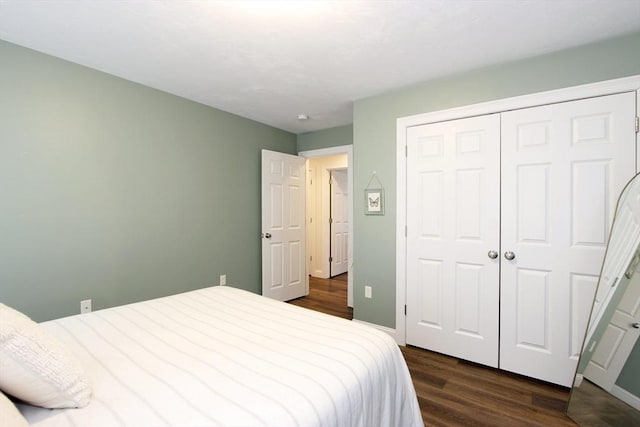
x,y
223,356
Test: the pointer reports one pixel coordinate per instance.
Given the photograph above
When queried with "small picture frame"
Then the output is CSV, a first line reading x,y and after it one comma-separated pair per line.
x,y
373,201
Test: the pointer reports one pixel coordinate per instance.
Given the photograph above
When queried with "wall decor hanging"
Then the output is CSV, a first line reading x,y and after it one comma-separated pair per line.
x,y
374,197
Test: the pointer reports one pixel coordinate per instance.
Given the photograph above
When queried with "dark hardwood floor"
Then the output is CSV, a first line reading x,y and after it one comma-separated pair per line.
x,y
328,296
592,406
454,392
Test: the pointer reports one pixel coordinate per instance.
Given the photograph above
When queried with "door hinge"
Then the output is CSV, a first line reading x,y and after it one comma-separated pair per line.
x,y
637,124
311,258
405,231
405,309
330,220
406,151
311,220
330,259
615,282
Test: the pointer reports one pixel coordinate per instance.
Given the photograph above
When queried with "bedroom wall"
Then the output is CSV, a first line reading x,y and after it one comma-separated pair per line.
x,y
334,137
374,138
629,378
117,192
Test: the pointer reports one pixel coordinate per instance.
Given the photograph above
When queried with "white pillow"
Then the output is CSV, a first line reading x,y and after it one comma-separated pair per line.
x,y
11,417
35,367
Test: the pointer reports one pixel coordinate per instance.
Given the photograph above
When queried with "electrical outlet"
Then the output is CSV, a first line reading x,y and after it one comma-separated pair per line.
x,y
367,291
85,306
223,279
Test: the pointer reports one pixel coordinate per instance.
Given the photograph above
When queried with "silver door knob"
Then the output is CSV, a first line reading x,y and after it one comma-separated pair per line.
x,y
635,325
267,235
492,254
509,255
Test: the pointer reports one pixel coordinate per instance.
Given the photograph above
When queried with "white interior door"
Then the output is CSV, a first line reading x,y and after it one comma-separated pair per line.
x,y
339,222
612,349
623,245
453,215
617,341
563,166
284,266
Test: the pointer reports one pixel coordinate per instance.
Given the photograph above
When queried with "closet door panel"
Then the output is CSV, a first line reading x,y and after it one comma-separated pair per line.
x,y
532,308
563,166
452,223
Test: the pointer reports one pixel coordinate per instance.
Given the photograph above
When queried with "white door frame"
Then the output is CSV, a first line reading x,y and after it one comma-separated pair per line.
x,y
626,84
348,150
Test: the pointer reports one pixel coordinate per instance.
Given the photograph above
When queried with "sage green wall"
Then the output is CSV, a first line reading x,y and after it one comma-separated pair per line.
x,y
334,137
374,127
629,378
117,192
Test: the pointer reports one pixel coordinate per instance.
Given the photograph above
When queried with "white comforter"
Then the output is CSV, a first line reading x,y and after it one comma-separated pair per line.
x,y
223,356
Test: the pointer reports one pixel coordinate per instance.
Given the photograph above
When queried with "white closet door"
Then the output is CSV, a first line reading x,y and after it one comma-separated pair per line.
x,y
563,166
453,214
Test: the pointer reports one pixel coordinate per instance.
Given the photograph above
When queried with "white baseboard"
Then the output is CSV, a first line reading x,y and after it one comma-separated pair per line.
x,y
391,332
578,380
626,397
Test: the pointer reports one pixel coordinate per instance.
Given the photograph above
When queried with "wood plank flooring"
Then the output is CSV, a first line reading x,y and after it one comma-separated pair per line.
x,y
592,406
454,392
328,296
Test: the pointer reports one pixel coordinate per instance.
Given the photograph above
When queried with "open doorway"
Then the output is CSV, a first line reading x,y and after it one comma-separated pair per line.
x,y
327,223
329,214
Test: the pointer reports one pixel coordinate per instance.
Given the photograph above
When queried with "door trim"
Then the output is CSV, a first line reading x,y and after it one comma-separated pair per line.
x,y
348,150
608,87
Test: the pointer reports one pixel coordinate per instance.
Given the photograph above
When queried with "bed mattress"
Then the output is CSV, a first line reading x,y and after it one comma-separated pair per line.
x,y
221,356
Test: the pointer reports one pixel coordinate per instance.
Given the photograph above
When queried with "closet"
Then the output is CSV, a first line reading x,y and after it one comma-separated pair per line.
x,y
507,221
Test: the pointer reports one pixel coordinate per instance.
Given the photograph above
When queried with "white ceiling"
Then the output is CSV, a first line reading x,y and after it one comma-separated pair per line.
x,y
272,60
